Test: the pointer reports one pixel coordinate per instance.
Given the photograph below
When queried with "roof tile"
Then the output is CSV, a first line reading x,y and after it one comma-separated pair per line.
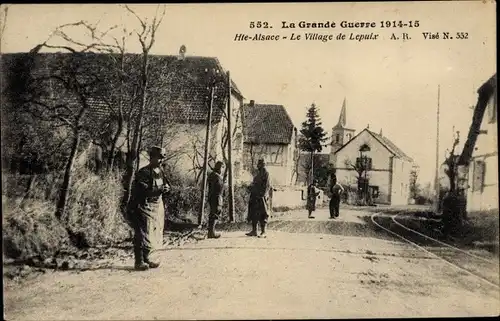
x,y
267,124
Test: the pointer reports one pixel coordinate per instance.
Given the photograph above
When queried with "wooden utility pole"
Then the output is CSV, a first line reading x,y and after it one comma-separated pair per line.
x,y
436,183
230,151
205,156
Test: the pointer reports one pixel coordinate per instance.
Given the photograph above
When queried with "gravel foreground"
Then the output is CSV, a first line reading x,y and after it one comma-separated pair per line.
x,y
287,275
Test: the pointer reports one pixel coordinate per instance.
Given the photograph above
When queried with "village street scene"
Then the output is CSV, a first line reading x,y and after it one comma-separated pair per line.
x,y
153,171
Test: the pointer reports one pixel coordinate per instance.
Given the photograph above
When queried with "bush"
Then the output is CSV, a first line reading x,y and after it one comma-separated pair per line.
x,y
183,201
241,196
92,212
31,230
94,208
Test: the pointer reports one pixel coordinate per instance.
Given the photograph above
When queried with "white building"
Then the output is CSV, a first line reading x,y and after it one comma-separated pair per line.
x,y
481,151
389,173
269,134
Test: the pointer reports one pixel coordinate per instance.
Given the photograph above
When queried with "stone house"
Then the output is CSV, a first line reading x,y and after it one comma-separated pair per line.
x,y
176,108
269,133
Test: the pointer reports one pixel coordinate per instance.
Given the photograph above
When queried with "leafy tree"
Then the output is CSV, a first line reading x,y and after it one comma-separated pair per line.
x,y
414,186
312,135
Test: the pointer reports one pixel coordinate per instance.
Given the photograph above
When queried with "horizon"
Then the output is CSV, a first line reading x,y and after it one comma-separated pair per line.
x,y
394,89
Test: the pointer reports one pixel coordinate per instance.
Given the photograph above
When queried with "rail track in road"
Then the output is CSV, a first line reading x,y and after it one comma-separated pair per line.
x,y
478,266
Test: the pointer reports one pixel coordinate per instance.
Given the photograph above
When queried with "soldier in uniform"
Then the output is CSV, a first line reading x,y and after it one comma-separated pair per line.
x,y
312,195
258,203
146,209
336,191
215,188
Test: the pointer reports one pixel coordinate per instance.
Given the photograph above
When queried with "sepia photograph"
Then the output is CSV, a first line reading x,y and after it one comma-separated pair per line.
x,y
232,161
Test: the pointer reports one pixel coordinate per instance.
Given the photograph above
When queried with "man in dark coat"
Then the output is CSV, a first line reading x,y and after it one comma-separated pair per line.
x,y
146,209
336,191
312,195
215,183
258,203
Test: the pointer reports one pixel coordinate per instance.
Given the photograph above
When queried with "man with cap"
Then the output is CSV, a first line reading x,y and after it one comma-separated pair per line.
x,y
257,205
215,183
336,191
146,208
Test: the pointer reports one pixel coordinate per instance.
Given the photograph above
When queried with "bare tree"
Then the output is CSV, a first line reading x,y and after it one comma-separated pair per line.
x,y
225,137
60,93
451,163
296,165
3,20
196,155
146,37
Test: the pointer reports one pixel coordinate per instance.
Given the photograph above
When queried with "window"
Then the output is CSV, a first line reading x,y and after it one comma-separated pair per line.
x,y
492,109
337,138
478,176
348,137
365,163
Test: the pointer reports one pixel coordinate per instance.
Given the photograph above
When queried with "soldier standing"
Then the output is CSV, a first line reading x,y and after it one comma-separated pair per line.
x,y
146,209
336,191
215,188
257,205
312,195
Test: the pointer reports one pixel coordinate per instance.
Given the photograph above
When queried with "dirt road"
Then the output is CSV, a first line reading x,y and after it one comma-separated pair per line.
x,y
287,275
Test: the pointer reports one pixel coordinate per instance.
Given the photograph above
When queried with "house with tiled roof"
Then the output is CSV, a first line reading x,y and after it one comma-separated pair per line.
x,y
388,166
177,102
269,133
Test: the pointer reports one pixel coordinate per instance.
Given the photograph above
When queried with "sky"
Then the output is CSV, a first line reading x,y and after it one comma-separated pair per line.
x,y
388,85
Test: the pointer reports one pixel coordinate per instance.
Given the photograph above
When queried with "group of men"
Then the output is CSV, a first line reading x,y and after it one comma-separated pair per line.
x,y
335,191
150,188
258,212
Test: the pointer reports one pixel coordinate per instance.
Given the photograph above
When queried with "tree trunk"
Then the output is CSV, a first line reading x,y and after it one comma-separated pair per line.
x,y
311,172
64,191
132,155
112,152
29,188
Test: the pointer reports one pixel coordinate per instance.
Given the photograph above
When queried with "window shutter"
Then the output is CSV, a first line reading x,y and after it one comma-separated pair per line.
x,y
478,180
492,108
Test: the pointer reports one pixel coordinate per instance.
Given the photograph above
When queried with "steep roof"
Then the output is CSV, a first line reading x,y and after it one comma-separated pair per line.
x,y
391,146
180,87
485,92
267,124
384,141
342,122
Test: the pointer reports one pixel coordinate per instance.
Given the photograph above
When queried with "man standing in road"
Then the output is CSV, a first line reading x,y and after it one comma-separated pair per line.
x,y
258,203
215,188
146,209
312,195
336,191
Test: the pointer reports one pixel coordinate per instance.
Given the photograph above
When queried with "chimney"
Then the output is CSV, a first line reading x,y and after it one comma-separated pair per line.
x,y
182,53
252,103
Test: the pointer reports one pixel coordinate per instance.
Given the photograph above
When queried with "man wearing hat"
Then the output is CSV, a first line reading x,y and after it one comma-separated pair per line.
x,y
215,188
257,205
146,209
336,191
312,195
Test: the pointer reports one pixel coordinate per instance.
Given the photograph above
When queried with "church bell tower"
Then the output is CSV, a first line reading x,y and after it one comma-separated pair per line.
x,y
341,134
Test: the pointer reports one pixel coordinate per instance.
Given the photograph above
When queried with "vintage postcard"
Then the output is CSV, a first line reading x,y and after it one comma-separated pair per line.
x,y
249,161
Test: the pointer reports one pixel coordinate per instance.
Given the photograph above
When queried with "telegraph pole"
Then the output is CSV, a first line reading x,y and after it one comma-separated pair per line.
x,y
436,182
205,156
230,151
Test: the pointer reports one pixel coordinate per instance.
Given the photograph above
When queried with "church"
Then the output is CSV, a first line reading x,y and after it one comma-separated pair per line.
x,y
388,168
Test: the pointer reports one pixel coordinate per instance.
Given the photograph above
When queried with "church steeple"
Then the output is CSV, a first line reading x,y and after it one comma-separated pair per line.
x,y
342,117
340,133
